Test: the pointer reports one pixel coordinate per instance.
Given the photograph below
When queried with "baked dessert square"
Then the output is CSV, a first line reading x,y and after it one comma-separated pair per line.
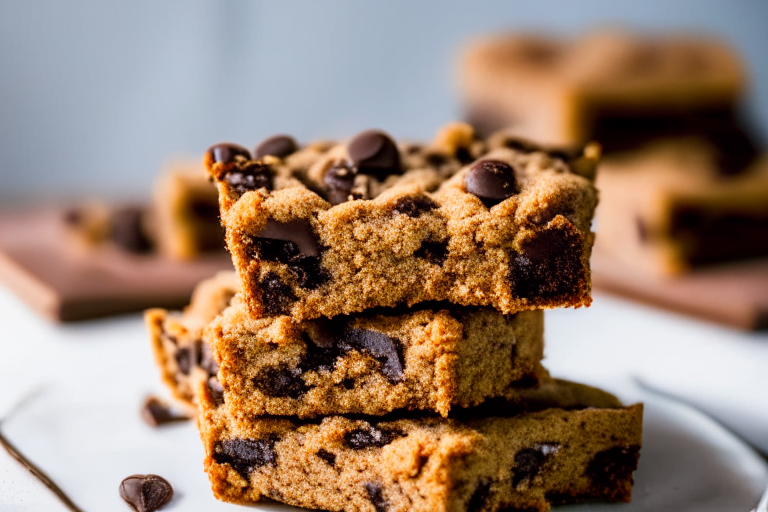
x,y
573,443
332,229
432,358
613,86
670,208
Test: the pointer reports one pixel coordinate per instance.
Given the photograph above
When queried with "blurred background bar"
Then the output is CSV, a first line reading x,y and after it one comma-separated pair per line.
x,y
94,96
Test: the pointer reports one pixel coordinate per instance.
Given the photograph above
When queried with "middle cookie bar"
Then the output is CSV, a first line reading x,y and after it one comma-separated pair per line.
x,y
375,363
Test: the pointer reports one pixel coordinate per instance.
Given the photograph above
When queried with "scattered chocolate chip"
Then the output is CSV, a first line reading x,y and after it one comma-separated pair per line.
x,y
339,181
613,465
433,252
530,461
437,160
327,456
376,495
297,236
245,455
279,146
479,498
309,272
385,350
127,230
186,357
216,390
251,177
206,360
281,382
374,153
226,153
360,438
491,180
348,383
413,206
276,296
464,155
549,265
156,412
146,493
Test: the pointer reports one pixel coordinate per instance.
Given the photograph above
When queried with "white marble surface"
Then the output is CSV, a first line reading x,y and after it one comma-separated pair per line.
x,y
72,394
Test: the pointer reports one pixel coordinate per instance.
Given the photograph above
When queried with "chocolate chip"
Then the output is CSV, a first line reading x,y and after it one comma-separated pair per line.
x,y
276,296
613,465
279,146
437,160
156,412
297,235
491,180
520,145
348,383
340,185
376,495
146,493
385,350
226,153
309,272
281,382
374,153
549,265
127,230
327,456
186,357
480,497
360,438
245,455
529,461
206,360
433,252
216,390
413,206
251,177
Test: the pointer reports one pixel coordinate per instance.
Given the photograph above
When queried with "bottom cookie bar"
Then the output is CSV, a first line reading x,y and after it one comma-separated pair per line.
x,y
575,443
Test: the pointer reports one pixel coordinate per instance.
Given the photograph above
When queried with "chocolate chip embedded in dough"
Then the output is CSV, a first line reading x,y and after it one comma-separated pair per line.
x,y
413,206
383,348
281,382
245,455
341,183
156,412
491,180
327,456
251,177
433,252
375,153
186,357
480,496
530,461
360,438
298,233
276,296
279,146
613,465
146,493
376,495
226,153
216,390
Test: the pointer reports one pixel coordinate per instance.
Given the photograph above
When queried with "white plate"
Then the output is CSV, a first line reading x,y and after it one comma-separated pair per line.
x,y
81,425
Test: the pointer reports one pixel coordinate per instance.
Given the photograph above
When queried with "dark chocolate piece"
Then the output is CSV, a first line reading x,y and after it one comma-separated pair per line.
x,y
226,153
281,382
491,180
251,177
613,465
156,412
245,455
339,183
298,235
127,230
480,497
186,357
277,296
327,456
414,206
216,390
375,153
279,146
384,349
433,252
146,493
529,461
549,266
371,436
376,495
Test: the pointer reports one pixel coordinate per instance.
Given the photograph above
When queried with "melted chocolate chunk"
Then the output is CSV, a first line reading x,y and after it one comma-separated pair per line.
x,y
245,455
491,180
186,358
613,465
384,349
530,461
480,497
549,266
146,493
279,146
327,456
216,390
413,206
433,252
309,272
252,177
375,153
360,438
226,153
127,230
376,495
281,382
276,296
297,239
156,412
339,183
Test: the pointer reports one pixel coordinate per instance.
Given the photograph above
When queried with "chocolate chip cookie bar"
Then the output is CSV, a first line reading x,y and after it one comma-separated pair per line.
x,y
618,88
376,362
334,229
669,208
573,443
177,337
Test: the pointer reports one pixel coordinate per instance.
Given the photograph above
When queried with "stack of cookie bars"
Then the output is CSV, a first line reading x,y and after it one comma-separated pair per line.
x,y
380,346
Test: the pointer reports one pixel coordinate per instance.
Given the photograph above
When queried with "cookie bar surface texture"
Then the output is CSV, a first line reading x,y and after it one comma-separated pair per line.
x,y
526,461
325,232
375,363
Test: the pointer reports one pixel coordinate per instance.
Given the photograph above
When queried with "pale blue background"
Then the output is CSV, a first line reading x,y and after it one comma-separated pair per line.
x,y
95,94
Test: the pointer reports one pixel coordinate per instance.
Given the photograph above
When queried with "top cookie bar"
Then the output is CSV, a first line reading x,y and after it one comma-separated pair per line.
x,y
332,229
